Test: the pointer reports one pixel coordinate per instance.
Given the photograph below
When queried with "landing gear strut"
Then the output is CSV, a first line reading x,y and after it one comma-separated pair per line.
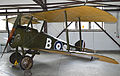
x,y
25,61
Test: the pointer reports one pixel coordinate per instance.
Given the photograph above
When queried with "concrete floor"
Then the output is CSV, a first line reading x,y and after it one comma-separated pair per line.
x,y
60,65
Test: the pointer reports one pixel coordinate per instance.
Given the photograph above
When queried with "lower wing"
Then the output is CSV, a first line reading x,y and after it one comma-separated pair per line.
x,y
73,53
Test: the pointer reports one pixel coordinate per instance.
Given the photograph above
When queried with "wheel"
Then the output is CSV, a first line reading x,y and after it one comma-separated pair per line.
x,y
26,63
15,56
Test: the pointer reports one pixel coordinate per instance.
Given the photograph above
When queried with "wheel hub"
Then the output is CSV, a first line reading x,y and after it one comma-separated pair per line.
x,y
26,63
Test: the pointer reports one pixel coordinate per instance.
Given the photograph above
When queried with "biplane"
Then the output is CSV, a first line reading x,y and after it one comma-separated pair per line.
x,y
34,41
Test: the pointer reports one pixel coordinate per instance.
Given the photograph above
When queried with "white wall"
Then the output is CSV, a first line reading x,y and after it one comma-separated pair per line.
x,y
6,2
3,38
93,40
112,28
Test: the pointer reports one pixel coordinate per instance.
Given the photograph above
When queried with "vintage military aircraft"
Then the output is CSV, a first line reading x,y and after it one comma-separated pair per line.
x,y
28,37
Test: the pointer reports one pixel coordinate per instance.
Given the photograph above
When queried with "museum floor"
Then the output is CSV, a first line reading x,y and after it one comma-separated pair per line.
x,y
47,64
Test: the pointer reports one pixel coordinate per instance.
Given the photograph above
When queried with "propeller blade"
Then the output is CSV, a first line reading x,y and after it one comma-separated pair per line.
x,y
14,28
11,33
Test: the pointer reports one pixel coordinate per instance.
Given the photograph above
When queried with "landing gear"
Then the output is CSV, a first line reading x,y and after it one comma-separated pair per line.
x,y
15,56
26,63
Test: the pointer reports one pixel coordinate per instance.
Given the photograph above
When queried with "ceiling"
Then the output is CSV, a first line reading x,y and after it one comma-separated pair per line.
x,y
30,6
7,2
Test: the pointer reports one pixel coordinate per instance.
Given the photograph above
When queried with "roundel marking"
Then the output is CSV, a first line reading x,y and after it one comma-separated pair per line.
x,y
58,45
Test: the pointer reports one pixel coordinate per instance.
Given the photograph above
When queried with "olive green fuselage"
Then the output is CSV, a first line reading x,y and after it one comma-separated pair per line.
x,y
31,38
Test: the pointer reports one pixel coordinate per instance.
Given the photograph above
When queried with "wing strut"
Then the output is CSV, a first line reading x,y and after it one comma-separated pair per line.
x,y
80,35
30,22
44,24
67,35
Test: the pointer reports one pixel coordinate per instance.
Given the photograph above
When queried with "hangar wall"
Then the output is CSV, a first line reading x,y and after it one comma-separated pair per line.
x,y
3,38
3,41
114,28
94,40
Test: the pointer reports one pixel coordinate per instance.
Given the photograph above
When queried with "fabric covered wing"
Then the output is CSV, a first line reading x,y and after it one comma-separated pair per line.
x,y
86,13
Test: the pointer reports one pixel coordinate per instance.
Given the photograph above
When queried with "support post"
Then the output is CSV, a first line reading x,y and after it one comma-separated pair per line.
x,y
67,36
76,26
89,25
43,3
45,27
117,26
107,34
80,35
45,9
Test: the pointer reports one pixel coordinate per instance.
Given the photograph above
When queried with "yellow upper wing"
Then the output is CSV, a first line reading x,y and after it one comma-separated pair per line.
x,y
86,13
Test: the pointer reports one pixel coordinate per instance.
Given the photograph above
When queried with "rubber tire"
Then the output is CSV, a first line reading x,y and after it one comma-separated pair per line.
x,y
21,63
15,56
